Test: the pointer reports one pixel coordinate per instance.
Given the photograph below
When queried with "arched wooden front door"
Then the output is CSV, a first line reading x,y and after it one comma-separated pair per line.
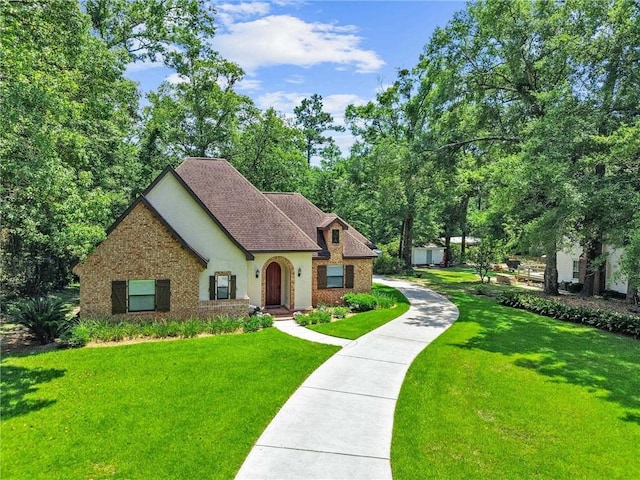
x,y
273,285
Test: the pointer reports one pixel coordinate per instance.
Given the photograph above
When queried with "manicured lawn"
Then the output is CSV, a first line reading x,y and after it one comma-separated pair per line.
x,y
357,325
179,409
508,394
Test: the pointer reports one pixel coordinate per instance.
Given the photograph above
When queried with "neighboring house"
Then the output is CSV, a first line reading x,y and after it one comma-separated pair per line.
x,y
572,269
428,254
202,241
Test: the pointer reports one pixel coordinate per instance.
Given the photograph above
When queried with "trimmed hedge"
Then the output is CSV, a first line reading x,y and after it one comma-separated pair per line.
x,y
611,321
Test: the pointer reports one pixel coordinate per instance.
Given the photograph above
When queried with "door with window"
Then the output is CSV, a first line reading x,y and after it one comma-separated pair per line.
x,y
273,285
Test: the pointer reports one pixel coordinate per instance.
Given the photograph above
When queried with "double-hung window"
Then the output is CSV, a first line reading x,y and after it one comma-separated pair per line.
x,y
576,269
142,295
222,286
335,236
335,276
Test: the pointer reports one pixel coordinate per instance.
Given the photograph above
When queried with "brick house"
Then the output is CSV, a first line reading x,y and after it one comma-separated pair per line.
x,y
202,241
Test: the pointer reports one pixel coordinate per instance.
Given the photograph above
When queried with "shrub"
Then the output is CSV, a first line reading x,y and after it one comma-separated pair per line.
x,y
301,319
45,318
313,317
383,300
251,324
340,312
610,321
360,302
266,320
386,264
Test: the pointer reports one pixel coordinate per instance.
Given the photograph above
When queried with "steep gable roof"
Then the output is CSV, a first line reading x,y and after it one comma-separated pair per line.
x,y
245,213
311,220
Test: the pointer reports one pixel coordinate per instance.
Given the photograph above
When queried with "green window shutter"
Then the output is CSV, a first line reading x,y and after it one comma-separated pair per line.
x,y
163,295
232,287
322,276
348,276
118,296
212,287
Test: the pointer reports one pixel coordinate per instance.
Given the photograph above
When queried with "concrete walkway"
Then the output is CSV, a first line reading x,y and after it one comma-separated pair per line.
x,y
338,424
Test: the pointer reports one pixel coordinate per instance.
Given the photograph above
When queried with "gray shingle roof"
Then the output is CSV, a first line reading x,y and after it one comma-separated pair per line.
x,y
310,218
245,212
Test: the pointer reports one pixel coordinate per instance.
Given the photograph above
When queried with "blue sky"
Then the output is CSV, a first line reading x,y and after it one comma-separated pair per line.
x,y
342,50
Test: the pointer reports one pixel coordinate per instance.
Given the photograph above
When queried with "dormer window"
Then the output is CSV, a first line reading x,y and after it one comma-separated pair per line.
x,y
335,236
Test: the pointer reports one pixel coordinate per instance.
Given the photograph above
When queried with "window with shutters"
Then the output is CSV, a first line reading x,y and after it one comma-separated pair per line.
x,y
335,276
140,296
222,286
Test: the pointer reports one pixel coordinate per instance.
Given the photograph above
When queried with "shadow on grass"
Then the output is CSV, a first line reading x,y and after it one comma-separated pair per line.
x,y
18,382
606,364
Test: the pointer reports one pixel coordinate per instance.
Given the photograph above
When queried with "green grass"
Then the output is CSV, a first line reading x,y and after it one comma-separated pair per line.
x,y
179,409
357,325
508,394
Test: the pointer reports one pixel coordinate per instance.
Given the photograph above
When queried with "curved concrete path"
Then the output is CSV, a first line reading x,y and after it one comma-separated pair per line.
x,y
338,424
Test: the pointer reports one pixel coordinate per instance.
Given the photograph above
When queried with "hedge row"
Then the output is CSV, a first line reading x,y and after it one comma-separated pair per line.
x,y
611,321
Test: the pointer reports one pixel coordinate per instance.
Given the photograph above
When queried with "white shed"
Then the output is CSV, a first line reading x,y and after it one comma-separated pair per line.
x,y
428,254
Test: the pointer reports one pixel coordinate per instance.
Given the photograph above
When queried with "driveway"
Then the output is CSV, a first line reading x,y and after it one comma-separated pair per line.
x,y
338,424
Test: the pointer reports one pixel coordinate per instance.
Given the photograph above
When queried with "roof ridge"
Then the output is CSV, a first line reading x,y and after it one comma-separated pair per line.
x,y
251,186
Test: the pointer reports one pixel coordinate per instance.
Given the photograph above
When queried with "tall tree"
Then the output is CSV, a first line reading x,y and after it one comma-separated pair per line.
x,y
198,116
269,153
314,122
65,144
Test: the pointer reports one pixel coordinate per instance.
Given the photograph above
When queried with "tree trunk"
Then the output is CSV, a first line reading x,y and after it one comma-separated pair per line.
x,y
447,250
464,207
551,273
406,241
633,295
591,253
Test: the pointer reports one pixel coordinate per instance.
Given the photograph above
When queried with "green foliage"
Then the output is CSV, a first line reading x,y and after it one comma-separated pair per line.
x,y
360,302
340,312
251,324
610,321
385,264
484,255
313,122
105,330
45,318
358,324
313,317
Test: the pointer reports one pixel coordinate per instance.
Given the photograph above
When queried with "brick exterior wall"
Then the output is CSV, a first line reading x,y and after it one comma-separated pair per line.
x,y
228,308
362,271
139,248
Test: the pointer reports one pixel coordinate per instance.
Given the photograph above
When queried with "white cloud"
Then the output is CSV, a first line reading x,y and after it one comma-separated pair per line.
x,y
283,102
295,79
227,13
249,85
288,40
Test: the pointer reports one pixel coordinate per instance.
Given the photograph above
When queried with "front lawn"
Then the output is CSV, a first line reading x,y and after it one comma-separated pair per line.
x,y
505,393
357,325
177,409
